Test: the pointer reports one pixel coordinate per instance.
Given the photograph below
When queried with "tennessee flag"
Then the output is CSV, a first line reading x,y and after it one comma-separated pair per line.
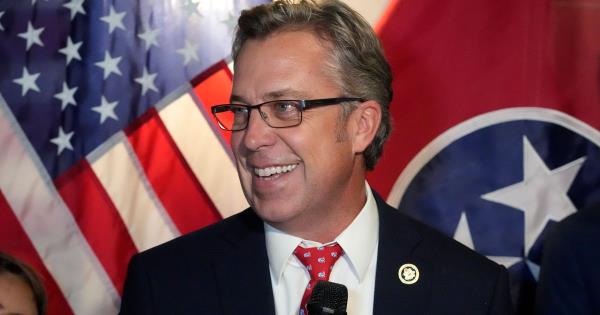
x,y
497,118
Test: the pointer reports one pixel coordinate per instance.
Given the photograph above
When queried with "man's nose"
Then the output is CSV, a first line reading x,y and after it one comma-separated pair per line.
x,y
258,133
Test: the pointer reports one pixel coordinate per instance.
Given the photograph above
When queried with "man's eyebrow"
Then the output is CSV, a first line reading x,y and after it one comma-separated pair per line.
x,y
274,95
237,99
286,93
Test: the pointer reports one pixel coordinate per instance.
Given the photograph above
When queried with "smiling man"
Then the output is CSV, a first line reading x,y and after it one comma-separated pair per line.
x,y
308,178
309,115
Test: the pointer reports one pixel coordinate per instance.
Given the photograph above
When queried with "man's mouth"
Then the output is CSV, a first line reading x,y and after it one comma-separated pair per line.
x,y
274,170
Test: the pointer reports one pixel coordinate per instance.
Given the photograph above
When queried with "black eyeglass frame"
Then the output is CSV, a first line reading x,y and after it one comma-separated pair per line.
x,y
304,105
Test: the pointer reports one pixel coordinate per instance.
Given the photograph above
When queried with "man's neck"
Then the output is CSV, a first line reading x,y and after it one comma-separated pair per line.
x,y
324,226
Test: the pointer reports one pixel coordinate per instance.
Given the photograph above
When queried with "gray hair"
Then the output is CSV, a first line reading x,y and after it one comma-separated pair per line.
x,y
358,61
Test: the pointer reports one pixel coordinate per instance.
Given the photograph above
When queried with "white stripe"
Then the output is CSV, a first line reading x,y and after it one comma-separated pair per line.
x,y
371,10
205,153
230,65
50,225
120,173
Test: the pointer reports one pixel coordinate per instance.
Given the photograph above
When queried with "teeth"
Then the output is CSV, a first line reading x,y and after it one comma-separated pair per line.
x,y
268,171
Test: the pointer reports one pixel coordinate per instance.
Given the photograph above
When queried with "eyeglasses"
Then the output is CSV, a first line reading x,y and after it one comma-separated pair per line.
x,y
277,114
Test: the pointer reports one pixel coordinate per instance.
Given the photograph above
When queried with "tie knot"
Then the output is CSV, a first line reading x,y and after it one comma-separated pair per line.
x,y
319,260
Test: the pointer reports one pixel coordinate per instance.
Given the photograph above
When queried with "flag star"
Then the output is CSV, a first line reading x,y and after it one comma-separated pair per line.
x,y
32,35
27,82
109,65
463,232
463,235
67,96
63,140
147,81
71,51
106,109
114,19
75,6
506,261
188,52
191,8
150,37
542,195
231,21
1,14
534,269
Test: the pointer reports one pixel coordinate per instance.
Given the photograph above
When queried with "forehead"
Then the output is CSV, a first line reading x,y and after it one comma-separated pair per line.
x,y
286,41
287,62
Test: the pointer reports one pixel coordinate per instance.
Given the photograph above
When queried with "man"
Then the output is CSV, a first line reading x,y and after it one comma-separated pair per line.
x,y
309,117
569,276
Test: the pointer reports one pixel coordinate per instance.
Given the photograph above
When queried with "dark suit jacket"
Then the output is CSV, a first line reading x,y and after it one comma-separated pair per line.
x,y
570,275
224,269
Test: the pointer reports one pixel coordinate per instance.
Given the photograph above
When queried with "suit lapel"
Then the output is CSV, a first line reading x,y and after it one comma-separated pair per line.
x,y
398,240
242,270
244,281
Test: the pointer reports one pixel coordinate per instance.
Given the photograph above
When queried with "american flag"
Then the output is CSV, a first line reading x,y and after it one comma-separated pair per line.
x,y
107,146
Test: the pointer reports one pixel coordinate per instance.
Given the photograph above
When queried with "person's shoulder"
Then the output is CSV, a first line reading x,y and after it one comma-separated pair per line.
x,y
448,250
442,249
579,232
584,221
206,241
450,270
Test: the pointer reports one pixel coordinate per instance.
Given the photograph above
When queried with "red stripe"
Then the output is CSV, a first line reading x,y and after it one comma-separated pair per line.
x,y
14,241
214,87
387,14
98,220
169,174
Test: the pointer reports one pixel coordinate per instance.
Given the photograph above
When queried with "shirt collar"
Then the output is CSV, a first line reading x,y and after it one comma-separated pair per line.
x,y
359,241
280,247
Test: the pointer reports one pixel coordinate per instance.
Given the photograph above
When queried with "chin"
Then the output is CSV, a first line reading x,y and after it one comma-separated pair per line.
x,y
275,215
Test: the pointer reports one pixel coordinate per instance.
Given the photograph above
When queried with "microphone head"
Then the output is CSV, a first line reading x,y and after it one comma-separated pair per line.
x,y
328,298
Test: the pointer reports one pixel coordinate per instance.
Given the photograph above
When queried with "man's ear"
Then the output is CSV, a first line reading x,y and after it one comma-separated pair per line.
x,y
366,118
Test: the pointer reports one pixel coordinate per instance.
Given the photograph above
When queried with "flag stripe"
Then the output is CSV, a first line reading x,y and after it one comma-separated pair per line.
x,y
215,171
38,207
89,170
121,175
98,220
13,240
387,14
215,88
171,178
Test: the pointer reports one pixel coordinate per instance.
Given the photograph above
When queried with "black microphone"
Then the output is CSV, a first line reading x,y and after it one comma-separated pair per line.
x,y
328,298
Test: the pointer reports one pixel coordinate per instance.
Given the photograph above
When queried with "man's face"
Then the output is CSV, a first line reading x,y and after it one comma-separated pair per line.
x,y
315,167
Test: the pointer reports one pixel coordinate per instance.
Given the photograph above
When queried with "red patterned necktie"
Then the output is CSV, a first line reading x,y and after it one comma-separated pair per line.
x,y
319,262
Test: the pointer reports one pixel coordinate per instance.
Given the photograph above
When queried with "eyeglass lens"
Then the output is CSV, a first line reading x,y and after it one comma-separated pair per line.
x,y
276,114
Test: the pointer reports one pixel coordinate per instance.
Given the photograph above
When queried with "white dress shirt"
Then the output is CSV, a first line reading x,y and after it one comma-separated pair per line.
x,y
355,269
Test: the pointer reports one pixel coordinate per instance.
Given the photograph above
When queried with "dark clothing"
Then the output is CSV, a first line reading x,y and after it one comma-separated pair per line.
x,y
570,272
224,269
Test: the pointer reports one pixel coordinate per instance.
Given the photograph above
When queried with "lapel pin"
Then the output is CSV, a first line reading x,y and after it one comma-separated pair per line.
x,y
408,273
